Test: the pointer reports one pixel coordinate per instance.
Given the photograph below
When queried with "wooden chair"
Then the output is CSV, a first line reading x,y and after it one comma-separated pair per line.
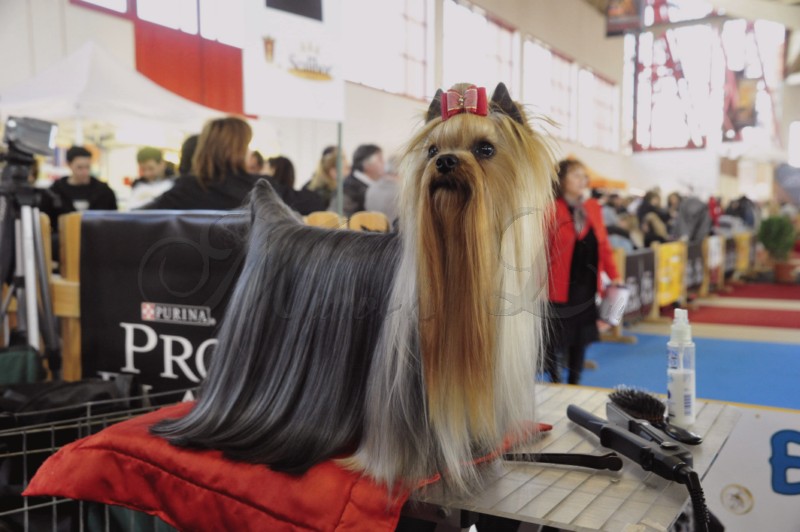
x,y
66,294
327,219
373,221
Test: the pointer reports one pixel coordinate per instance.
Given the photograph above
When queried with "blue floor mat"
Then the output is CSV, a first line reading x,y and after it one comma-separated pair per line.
x,y
737,371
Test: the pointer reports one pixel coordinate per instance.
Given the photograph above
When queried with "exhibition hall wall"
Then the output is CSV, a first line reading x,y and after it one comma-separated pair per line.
x,y
37,33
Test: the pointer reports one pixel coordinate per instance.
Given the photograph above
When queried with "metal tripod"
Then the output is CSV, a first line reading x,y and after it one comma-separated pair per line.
x,y
30,285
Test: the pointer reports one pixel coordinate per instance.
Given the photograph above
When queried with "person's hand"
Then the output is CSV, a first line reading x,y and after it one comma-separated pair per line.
x,y
603,327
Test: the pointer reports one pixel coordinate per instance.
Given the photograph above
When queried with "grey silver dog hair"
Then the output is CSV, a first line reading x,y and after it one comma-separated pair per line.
x,y
288,386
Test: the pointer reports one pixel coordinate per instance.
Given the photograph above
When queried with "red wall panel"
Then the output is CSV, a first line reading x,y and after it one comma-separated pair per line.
x,y
203,71
221,76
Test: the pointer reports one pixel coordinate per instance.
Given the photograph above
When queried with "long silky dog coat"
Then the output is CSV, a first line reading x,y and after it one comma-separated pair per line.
x,y
406,354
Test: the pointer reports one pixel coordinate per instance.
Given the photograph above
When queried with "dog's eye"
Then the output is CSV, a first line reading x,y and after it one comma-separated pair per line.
x,y
432,151
483,150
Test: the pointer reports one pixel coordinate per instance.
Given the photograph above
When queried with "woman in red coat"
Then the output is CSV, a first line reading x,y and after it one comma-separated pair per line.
x,y
579,251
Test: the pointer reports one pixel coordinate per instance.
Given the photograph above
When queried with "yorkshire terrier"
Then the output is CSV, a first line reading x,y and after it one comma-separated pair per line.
x,y
403,355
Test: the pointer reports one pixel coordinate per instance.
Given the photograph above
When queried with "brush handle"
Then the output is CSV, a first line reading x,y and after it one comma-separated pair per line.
x,y
682,435
610,461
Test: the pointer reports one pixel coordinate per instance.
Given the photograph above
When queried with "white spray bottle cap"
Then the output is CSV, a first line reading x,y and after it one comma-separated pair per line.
x,y
681,330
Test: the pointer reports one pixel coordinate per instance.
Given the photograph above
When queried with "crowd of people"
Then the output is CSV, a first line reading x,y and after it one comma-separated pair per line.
x,y
217,170
636,222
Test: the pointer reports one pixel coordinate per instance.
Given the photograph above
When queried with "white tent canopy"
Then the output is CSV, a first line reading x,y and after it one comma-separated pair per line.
x,y
91,89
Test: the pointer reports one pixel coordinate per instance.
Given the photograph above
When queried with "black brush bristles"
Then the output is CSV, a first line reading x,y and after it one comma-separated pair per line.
x,y
639,404
644,405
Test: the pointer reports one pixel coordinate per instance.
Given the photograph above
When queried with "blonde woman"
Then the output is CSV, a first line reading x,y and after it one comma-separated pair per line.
x,y
323,182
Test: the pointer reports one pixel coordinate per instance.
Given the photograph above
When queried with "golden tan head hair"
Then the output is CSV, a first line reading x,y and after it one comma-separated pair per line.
x,y
470,292
321,177
221,149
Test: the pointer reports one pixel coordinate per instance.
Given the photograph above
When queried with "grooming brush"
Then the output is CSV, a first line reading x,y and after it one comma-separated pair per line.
x,y
643,405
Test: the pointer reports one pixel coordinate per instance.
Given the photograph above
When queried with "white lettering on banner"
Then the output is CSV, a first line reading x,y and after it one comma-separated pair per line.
x,y
172,356
180,314
180,360
647,293
200,361
131,349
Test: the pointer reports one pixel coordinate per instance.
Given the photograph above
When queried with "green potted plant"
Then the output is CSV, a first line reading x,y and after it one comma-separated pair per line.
x,y
777,234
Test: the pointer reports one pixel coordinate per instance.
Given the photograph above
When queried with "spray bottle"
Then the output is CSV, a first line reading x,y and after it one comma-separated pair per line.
x,y
681,372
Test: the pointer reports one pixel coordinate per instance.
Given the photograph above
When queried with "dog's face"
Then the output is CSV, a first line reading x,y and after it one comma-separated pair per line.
x,y
470,159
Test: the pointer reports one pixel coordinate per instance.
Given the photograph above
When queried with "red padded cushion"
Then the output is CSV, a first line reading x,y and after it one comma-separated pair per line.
x,y
200,490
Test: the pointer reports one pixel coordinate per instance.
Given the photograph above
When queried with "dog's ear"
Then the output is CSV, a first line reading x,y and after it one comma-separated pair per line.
x,y
435,108
502,101
267,206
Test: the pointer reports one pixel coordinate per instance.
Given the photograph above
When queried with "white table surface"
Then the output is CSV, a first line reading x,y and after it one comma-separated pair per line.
x,y
572,498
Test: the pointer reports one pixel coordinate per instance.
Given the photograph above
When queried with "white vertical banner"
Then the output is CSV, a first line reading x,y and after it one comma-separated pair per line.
x,y
292,60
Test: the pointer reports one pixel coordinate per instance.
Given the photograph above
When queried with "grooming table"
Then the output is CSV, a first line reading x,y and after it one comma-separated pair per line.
x,y
573,498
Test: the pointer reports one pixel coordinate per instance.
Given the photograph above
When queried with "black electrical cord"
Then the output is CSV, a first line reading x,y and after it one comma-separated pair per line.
x,y
688,477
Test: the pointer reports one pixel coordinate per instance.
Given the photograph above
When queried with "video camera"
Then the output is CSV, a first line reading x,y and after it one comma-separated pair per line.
x,y
24,138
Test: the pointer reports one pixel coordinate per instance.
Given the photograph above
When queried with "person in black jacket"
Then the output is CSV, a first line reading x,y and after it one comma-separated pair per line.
x,y
78,191
280,172
219,180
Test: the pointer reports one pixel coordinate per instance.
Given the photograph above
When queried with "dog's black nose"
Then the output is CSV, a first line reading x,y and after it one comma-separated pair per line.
x,y
446,163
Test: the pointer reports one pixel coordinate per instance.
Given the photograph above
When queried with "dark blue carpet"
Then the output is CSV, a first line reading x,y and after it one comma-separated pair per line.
x,y
736,371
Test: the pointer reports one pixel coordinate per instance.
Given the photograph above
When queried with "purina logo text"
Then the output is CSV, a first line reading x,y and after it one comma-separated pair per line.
x,y
178,314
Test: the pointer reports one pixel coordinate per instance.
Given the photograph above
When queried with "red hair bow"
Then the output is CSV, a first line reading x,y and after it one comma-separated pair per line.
x,y
473,101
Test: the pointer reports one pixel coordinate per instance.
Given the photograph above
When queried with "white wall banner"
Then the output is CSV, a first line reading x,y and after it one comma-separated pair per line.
x,y
755,481
291,59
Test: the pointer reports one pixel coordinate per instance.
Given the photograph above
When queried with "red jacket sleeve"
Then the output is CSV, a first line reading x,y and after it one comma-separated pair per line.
x,y
606,254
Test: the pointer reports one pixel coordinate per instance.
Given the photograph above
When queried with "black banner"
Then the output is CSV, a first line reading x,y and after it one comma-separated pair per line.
x,y
154,286
694,266
640,268
730,256
304,8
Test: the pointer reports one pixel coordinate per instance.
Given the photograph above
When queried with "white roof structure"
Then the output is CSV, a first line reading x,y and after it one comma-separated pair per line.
x,y
92,90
